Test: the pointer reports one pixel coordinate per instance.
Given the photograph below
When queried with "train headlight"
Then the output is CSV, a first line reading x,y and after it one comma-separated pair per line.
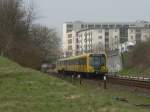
x,y
103,68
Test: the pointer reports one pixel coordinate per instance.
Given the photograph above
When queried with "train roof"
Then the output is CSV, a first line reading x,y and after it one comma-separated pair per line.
x,y
79,56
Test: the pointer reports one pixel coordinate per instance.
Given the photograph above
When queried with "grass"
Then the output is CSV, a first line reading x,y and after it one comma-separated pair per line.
x,y
27,90
135,72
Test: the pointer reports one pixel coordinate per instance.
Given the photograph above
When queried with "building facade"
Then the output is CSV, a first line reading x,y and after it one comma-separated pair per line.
x,y
80,37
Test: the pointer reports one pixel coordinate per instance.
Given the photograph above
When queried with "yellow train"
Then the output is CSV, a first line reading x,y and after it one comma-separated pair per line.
x,y
90,64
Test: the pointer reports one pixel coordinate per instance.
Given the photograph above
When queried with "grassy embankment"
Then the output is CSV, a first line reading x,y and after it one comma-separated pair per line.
x,y
134,70
26,90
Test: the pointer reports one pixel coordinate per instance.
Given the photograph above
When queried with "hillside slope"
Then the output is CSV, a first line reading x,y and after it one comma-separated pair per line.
x,y
137,61
26,90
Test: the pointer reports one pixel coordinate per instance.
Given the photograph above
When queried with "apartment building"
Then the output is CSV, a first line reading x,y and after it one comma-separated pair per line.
x,y
81,37
69,37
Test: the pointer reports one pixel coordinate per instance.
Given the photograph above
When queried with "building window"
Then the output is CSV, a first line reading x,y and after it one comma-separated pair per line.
x,y
85,34
106,39
69,35
100,37
85,40
111,26
145,36
131,30
69,26
77,46
97,26
90,26
82,26
116,37
116,30
89,34
105,26
100,31
138,30
69,47
106,33
70,41
77,40
123,34
132,37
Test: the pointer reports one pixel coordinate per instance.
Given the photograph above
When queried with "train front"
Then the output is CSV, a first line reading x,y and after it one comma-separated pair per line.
x,y
98,64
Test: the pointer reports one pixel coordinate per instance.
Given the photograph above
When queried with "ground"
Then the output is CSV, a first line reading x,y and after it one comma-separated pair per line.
x,y
135,72
27,90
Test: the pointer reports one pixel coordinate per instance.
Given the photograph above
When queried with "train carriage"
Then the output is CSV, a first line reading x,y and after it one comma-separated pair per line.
x,y
90,64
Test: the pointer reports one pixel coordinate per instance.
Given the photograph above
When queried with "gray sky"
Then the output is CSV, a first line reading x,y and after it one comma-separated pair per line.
x,y
54,13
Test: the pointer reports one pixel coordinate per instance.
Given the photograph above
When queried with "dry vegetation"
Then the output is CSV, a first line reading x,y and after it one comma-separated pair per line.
x,y
140,56
138,60
18,35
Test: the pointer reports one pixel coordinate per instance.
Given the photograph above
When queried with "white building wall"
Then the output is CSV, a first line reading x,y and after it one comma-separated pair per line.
x,y
92,40
145,34
65,44
132,35
98,34
71,43
114,39
98,40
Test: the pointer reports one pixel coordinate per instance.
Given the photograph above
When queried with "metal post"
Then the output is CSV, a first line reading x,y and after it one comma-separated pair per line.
x,y
105,81
80,81
72,78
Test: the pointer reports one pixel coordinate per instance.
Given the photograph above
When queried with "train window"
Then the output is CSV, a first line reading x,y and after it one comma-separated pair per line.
x,y
65,62
75,62
79,61
82,61
98,60
103,60
70,62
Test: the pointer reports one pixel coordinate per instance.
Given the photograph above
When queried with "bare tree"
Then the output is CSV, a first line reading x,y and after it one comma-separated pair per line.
x,y
22,41
15,23
48,40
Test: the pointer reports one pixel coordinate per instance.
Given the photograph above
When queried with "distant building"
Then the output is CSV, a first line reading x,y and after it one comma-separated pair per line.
x,y
82,37
126,46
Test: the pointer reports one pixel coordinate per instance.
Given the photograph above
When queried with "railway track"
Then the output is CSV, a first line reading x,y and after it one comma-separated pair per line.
x,y
139,82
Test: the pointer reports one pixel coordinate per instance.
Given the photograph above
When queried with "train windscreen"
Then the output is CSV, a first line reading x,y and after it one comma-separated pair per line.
x,y
97,60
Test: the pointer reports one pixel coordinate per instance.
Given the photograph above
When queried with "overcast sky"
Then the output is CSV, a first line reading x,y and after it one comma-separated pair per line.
x,y
54,13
